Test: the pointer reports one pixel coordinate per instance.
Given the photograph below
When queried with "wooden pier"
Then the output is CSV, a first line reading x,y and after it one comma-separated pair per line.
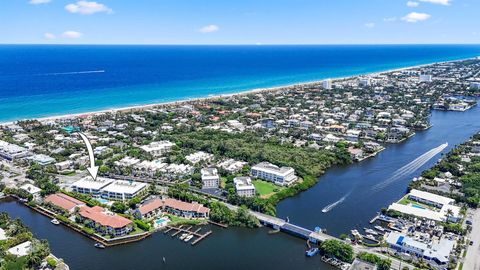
x,y
189,230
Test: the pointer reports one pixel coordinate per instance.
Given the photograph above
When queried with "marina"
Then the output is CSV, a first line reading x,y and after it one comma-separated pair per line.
x,y
187,233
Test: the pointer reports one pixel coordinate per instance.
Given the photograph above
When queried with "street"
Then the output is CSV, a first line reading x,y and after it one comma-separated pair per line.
x,y
472,260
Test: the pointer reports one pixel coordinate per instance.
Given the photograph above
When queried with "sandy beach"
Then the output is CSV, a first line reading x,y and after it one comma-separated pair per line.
x,y
214,97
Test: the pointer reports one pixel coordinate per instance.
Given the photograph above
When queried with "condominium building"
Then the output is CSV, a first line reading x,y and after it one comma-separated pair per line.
x,y
158,148
244,186
282,176
92,187
123,190
210,178
12,152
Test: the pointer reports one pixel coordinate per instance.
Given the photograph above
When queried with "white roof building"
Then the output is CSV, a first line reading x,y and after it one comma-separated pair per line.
x,y
12,151
199,156
87,185
438,250
438,212
279,175
3,235
244,186
158,148
123,190
21,250
42,159
210,178
33,190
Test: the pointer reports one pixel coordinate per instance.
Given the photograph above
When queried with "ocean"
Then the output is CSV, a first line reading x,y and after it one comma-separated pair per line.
x,y
49,80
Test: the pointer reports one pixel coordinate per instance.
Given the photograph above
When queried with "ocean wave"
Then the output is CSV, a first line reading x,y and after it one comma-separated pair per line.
x,y
71,72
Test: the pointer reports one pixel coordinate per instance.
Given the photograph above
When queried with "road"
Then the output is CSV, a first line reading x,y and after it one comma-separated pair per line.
x,y
472,260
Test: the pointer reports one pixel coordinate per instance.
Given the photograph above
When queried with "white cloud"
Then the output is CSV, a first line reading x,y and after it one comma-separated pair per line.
x,y
38,2
438,2
49,36
209,29
414,17
87,8
370,25
412,4
72,34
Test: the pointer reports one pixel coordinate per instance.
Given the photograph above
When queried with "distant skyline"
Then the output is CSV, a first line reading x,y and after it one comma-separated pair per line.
x,y
240,22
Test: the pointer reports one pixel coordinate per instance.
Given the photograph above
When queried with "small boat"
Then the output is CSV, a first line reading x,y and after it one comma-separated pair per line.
x,y
311,252
188,238
370,237
164,260
370,231
379,228
55,221
99,245
183,236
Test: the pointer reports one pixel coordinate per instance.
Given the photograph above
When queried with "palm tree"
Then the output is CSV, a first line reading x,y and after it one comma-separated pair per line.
x,y
449,214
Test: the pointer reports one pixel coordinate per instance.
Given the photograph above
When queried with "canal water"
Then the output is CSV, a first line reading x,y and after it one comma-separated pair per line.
x,y
355,191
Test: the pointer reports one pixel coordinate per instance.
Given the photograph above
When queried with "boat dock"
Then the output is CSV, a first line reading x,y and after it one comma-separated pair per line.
x,y
189,230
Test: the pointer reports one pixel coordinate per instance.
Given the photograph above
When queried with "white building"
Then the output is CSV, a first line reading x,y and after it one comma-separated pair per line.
x,y
12,152
158,148
64,165
442,208
123,190
425,78
282,176
198,157
244,186
327,84
437,250
364,82
87,185
210,178
41,159
21,250
33,190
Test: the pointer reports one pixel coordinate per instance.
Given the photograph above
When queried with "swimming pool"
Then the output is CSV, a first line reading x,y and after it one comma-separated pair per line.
x,y
417,206
103,201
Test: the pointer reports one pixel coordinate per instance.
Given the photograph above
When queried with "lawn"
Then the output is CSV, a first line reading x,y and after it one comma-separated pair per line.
x,y
406,201
265,189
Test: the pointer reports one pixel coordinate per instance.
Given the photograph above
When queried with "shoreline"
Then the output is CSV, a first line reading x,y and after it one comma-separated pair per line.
x,y
218,96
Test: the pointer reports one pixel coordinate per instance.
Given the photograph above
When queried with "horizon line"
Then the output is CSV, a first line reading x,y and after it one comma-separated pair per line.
x,y
233,44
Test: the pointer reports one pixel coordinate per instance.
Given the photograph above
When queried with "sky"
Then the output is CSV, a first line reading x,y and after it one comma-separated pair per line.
x,y
239,21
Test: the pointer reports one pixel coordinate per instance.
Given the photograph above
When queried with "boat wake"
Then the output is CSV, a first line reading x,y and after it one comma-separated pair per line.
x,y
410,167
72,73
333,205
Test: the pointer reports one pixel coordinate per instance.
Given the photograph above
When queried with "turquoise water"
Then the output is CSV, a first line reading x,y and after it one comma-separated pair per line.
x,y
39,81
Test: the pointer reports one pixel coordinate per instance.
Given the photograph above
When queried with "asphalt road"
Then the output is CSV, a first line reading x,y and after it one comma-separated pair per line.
x,y
472,260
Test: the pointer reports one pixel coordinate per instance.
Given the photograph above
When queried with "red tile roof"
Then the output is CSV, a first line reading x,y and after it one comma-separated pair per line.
x,y
184,206
103,218
63,201
150,206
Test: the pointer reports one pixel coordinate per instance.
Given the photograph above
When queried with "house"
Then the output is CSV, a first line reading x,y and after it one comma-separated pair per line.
x,y
186,210
282,176
244,186
210,178
362,265
63,202
32,190
123,190
21,250
104,221
41,159
64,165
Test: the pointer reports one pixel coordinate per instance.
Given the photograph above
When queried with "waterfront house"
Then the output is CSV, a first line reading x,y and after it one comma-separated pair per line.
x,y
104,221
12,152
282,176
63,202
32,190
